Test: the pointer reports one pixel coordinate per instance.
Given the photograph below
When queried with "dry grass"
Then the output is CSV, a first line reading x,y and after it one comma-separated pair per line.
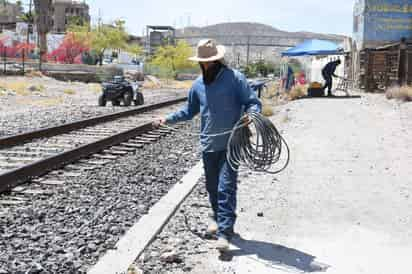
x,y
34,73
166,83
272,90
150,85
298,92
403,93
268,107
180,84
285,118
19,87
49,102
96,88
69,91
36,88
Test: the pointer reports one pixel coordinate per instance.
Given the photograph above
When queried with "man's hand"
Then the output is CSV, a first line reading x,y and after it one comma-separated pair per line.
x,y
159,122
246,119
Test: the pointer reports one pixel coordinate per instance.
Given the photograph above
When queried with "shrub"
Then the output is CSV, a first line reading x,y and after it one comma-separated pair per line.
x,y
19,87
96,88
69,91
298,92
403,93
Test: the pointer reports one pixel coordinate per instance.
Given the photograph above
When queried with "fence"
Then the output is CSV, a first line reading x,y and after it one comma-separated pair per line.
x,y
21,65
383,67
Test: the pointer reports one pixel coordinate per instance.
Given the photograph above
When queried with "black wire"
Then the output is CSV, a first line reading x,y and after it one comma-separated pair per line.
x,y
259,153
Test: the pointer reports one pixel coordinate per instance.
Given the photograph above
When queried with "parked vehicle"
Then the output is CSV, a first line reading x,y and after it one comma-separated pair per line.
x,y
119,90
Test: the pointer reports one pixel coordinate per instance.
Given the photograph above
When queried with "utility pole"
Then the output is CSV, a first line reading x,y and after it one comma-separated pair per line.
x,y
43,20
248,51
30,22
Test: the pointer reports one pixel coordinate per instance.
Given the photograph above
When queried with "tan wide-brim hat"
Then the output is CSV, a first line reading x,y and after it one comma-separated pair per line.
x,y
208,51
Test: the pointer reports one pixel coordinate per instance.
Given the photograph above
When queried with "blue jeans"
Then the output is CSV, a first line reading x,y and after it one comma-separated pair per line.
x,y
221,185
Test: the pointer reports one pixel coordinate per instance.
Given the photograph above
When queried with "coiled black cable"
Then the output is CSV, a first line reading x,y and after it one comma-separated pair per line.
x,y
260,151
257,152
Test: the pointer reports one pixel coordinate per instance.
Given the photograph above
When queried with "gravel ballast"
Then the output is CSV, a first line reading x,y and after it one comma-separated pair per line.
x,y
67,230
183,236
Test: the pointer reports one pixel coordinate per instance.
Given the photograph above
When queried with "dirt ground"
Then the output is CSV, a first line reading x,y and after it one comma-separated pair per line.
x,y
343,205
18,93
28,103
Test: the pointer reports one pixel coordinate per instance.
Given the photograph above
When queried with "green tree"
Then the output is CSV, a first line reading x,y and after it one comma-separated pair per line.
x,y
76,21
136,50
262,68
173,58
102,37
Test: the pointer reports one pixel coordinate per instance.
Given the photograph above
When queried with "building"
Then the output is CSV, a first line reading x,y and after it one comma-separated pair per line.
x,y
382,32
9,15
379,22
159,36
65,10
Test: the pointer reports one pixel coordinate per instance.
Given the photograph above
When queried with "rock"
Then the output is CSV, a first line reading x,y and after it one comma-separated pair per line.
x,y
170,257
115,230
35,269
34,88
77,264
35,237
176,242
133,269
69,256
92,247
260,214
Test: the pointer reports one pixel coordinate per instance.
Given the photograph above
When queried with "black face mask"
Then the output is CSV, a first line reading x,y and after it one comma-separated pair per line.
x,y
210,75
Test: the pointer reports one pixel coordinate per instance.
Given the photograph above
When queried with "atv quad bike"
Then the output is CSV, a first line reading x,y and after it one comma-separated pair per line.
x,y
119,90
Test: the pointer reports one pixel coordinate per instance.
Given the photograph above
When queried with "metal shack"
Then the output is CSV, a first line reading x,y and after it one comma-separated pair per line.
x,y
379,57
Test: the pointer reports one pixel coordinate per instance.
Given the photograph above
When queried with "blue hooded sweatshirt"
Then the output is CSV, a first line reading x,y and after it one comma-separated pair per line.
x,y
221,104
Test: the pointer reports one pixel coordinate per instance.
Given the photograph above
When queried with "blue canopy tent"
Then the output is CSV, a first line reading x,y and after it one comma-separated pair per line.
x,y
314,47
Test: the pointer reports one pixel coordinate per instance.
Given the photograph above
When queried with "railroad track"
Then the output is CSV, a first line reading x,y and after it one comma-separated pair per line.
x,y
89,144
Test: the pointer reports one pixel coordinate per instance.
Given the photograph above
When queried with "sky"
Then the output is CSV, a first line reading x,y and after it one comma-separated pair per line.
x,y
323,16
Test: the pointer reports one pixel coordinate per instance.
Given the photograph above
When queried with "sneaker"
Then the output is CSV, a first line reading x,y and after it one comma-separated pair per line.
x,y
222,244
212,228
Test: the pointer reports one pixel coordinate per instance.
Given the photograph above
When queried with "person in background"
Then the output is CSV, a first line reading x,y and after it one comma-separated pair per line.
x,y
328,72
290,79
301,78
221,96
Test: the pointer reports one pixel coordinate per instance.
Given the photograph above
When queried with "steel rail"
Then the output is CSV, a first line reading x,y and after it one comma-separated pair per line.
x,y
19,139
20,175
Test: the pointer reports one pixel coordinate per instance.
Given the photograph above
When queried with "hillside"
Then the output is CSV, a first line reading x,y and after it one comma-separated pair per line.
x,y
252,29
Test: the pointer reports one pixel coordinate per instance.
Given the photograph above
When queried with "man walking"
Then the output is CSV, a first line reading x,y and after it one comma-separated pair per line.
x,y
327,72
221,96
